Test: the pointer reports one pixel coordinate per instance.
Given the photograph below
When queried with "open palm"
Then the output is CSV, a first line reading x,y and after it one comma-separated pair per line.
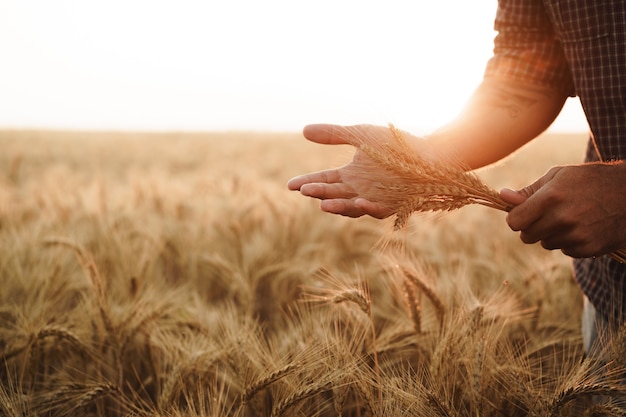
x,y
350,190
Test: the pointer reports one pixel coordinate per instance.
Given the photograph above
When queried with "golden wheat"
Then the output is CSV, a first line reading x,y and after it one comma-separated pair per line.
x,y
582,391
428,292
413,305
339,398
604,410
420,183
198,286
266,381
355,296
300,395
369,404
440,405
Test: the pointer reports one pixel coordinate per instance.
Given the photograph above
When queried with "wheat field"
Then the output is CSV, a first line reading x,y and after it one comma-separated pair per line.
x,y
175,275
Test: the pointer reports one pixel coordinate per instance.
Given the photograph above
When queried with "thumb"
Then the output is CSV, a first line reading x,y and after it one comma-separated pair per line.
x,y
327,134
518,197
512,197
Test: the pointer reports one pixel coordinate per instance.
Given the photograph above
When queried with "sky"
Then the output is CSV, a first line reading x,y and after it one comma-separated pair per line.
x,y
190,65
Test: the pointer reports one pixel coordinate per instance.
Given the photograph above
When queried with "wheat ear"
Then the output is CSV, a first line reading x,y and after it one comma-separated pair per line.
x,y
582,390
440,405
413,305
428,292
355,296
298,396
266,381
602,410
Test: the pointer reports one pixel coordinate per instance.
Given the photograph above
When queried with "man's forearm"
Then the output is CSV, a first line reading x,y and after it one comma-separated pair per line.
x,y
498,119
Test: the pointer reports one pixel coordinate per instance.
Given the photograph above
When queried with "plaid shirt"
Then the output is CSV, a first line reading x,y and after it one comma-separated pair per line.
x,y
577,47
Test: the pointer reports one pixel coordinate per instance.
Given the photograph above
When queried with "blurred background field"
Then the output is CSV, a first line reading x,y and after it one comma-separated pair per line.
x,y
174,274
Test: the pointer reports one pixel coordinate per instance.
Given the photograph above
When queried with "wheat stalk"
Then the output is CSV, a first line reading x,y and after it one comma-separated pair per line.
x,y
368,399
88,263
62,333
428,292
619,255
339,397
298,396
476,391
440,405
94,393
356,296
601,410
361,297
73,399
582,390
266,381
414,306
422,184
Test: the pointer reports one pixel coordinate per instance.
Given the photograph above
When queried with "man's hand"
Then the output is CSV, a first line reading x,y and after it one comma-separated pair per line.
x,y
580,209
342,190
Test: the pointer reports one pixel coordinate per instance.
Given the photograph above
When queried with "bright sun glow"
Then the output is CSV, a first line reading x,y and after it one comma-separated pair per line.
x,y
241,64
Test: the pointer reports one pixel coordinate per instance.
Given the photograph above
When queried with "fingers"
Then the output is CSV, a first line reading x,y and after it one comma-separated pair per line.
x,y
375,210
542,213
336,197
550,233
339,199
330,177
531,202
544,230
355,208
512,197
344,207
328,134
570,246
327,191
339,188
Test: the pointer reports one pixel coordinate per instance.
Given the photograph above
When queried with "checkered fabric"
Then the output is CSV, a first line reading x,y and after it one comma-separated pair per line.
x,y
577,47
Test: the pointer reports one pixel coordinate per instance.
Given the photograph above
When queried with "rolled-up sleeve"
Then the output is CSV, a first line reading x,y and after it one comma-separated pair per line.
x,y
526,49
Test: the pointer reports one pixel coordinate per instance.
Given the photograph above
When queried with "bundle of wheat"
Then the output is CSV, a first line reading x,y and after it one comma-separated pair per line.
x,y
422,183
